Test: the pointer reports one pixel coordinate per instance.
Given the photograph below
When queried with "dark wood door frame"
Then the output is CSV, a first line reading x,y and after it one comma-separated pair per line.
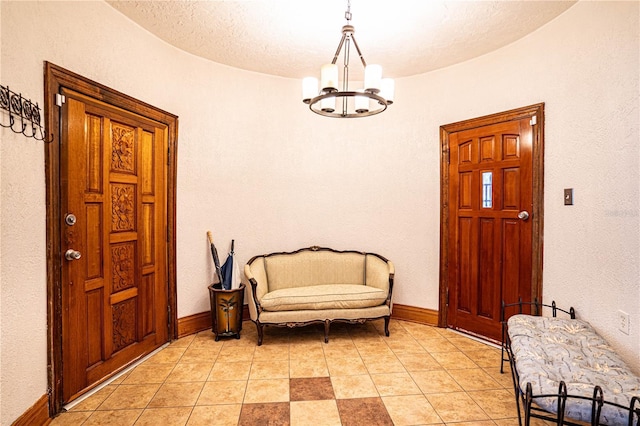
x,y
56,78
535,112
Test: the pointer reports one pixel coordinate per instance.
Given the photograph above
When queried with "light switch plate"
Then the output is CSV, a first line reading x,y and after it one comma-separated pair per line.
x,y
568,196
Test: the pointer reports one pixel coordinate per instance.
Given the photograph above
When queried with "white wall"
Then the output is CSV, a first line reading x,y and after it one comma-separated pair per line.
x,y
585,67
256,166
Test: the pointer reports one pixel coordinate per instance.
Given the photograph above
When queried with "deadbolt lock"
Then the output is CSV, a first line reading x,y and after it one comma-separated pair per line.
x,y
70,219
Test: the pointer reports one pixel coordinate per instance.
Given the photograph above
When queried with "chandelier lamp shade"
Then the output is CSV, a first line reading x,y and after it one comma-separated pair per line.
x,y
331,98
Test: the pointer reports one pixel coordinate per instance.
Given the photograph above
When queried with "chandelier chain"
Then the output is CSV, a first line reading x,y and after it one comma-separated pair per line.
x,y
347,14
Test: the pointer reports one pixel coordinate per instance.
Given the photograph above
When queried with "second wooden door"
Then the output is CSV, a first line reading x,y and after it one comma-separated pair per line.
x,y
490,233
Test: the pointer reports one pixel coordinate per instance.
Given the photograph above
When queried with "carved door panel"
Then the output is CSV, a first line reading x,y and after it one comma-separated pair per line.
x,y
114,296
490,249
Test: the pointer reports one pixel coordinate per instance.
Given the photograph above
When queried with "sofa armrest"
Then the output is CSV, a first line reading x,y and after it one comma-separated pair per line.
x,y
392,273
258,288
378,271
254,297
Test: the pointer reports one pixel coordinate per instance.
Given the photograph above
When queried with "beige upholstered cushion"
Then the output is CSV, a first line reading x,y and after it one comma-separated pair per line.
x,y
331,296
309,268
283,317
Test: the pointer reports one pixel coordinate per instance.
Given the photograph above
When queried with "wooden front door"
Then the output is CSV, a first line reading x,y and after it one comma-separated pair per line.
x,y
113,175
492,206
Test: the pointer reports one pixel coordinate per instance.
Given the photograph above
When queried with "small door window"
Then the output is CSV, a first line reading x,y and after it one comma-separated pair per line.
x,y
487,190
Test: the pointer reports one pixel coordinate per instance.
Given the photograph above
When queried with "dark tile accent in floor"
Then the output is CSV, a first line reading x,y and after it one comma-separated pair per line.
x,y
363,412
271,413
310,389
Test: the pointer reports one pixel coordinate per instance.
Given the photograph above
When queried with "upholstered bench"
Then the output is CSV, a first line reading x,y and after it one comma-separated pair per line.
x,y
318,285
565,368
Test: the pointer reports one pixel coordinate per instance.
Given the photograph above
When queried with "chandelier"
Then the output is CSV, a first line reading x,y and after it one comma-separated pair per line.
x,y
329,101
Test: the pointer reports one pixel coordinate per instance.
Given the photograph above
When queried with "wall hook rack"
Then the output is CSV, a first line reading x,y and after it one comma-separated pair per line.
x,y
24,115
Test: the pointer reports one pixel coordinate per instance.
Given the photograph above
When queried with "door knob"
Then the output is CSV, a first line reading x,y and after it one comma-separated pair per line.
x,y
71,254
523,215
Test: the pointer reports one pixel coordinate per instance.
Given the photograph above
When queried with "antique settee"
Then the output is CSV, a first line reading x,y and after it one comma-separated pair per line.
x,y
318,285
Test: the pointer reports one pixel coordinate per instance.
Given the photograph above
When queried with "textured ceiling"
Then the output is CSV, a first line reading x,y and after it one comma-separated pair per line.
x,y
293,38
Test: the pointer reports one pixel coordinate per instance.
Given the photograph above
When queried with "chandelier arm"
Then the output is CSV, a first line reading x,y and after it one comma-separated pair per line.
x,y
353,38
335,57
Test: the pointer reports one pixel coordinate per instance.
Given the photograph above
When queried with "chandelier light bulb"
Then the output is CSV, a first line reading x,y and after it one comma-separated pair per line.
x,y
387,89
329,77
372,78
328,104
309,89
362,104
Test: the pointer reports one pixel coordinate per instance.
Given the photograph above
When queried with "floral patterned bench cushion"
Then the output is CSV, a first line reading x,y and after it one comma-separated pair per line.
x,y
549,350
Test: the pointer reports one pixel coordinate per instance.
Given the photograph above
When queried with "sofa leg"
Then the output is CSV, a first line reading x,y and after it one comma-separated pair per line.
x,y
327,323
260,335
386,325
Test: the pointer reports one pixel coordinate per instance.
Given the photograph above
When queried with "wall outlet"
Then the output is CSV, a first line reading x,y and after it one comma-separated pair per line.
x,y
623,322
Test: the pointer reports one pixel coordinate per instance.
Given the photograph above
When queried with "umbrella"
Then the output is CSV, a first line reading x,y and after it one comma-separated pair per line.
x,y
230,271
216,260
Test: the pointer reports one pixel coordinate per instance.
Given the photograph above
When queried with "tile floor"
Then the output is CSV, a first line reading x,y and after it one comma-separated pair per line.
x,y
420,375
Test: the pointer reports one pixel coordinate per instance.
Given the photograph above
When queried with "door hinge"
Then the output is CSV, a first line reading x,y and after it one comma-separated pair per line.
x,y
447,296
60,99
169,322
168,156
534,120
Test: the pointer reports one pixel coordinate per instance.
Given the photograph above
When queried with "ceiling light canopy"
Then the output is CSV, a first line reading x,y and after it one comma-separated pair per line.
x,y
328,100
